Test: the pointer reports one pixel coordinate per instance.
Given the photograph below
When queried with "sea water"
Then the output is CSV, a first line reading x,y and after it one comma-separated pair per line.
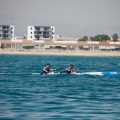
x,y
27,95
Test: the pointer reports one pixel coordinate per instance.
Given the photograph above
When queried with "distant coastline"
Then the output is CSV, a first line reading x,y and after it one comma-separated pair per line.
x,y
63,52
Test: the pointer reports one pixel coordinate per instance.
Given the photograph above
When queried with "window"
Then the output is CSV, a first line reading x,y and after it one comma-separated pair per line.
x,y
11,27
0,35
31,36
31,28
44,33
11,32
31,32
5,36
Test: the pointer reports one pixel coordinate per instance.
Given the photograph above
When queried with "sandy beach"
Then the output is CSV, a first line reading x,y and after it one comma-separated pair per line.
x,y
65,52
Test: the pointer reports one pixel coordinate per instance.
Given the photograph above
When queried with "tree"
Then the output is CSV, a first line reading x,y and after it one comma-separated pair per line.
x,y
82,39
85,38
115,37
101,37
91,38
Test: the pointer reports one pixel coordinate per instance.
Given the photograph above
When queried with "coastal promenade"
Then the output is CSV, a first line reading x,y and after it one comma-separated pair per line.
x,y
63,52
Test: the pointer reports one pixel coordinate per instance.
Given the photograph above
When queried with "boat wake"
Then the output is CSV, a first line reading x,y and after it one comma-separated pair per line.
x,y
85,73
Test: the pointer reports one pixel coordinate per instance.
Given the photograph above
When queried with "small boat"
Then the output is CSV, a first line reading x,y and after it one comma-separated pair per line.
x,y
91,73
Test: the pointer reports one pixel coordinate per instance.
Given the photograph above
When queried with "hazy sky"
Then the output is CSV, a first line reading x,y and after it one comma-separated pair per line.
x,y
63,14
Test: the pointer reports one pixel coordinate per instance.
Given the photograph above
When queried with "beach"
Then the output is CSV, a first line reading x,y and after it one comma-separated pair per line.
x,y
62,52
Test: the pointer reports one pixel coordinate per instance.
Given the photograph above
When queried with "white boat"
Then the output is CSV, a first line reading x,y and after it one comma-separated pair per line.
x,y
92,73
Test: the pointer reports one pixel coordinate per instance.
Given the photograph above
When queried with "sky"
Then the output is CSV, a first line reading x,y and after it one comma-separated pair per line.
x,y
72,18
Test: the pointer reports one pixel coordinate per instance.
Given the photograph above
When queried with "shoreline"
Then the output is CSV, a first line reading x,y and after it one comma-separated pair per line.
x,y
60,53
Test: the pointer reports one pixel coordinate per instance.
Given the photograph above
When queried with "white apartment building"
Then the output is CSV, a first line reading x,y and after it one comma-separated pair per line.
x,y
6,32
40,32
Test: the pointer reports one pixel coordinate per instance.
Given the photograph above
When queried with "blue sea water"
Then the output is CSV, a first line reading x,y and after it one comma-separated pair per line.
x,y
27,95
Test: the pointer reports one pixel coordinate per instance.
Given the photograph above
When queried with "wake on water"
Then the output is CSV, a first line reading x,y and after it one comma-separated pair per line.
x,y
86,73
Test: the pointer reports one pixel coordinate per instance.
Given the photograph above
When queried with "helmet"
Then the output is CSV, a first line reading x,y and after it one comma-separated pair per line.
x,y
71,65
48,64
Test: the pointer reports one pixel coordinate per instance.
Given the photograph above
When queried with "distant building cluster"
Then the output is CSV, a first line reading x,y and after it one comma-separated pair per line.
x,y
44,38
7,32
33,32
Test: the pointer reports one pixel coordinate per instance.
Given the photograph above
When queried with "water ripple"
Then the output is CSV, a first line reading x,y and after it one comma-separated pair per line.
x,y
64,97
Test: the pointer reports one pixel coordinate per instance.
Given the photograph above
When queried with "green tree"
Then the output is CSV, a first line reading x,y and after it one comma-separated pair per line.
x,y
91,38
82,39
101,37
115,37
85,38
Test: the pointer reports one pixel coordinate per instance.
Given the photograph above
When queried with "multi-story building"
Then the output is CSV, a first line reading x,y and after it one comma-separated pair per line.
x,y
40,32
7,32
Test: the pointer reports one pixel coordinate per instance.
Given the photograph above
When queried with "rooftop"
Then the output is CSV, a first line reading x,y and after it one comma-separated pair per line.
x,y
50,42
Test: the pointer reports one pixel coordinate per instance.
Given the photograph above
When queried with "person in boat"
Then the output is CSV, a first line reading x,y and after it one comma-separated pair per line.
x,y
70,70
47,69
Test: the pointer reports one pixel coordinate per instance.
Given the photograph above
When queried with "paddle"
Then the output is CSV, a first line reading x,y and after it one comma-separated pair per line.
x,y
52,70
56,69
64,71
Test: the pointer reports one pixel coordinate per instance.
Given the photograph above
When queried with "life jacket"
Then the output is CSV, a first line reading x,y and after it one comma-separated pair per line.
x,y
47,69
70,71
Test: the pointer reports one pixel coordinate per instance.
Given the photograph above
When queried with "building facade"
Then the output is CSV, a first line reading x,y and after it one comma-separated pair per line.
x,y
59,45
6,32
40,32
